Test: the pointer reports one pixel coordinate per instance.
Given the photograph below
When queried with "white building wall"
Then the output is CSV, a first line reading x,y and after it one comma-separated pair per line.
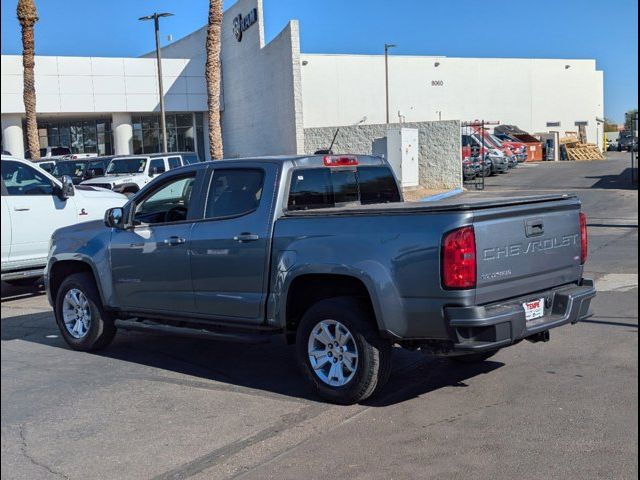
x,y
103,85
342,89
261,99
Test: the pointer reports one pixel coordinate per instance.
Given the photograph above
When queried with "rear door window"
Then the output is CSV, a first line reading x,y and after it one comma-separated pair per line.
x,y
174,162
234,192
158,164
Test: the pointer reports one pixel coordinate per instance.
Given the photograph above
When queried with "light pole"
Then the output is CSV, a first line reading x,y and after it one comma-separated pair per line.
x,y
163,124
387,46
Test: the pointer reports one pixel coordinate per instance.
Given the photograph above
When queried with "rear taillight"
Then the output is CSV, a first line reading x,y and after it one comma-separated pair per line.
x,y
584,239
340,160
459,259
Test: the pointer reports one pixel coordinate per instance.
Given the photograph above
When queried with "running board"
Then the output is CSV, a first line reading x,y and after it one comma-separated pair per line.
x,y
20,274
190,332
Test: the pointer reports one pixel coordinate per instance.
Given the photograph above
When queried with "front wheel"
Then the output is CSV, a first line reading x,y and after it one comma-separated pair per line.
x,y
81,318
340,351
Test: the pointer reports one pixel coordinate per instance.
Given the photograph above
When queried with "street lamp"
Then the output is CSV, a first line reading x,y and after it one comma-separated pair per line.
x,y
163,124
387,46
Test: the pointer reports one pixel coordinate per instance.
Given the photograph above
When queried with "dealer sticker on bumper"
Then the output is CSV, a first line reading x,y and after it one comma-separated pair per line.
x,y
534,309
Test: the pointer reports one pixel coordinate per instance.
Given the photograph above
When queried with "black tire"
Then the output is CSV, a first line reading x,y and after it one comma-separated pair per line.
x,y
474,357
24,282
373,365
101,328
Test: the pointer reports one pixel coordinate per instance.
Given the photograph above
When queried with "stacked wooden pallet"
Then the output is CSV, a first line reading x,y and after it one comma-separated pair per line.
x,y
575,150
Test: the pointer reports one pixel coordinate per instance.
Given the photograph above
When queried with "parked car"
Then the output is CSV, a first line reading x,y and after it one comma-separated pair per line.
x,y
627,141
77,156
50,152
128,174
84,169
46,165
321,250
34,204
517,147
472,145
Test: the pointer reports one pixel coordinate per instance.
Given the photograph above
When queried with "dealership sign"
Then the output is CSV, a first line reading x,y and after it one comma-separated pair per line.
x,y
243,22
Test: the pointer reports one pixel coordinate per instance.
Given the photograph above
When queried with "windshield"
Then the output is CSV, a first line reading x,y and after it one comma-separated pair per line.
x,y
73,169
495,140
127,165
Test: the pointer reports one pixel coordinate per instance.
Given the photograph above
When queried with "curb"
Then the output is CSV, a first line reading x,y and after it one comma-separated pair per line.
x,y
440,196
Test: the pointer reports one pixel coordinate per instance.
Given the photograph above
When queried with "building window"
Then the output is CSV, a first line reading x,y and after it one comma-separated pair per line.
x,y
147,136
91,135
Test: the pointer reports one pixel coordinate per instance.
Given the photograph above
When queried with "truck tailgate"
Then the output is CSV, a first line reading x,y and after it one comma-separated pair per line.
x,y
527,248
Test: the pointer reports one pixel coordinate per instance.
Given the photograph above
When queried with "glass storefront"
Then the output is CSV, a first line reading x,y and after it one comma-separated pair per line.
x,y
181,133
81,135
185,133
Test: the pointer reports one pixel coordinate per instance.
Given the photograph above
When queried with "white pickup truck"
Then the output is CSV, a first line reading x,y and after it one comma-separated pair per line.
x,y
128,174
34,205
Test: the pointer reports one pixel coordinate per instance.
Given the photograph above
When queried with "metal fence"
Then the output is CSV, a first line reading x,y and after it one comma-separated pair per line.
x,y
476,165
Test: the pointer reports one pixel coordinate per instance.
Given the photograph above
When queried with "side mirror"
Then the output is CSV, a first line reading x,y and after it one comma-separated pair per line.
x,y
66,189
153,171
114,217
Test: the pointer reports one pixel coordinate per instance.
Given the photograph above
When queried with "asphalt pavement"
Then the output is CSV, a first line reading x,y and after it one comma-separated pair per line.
x,y
170,408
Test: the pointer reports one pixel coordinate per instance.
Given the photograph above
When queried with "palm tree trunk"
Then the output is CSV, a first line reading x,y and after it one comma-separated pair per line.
x,y
28,16
212,75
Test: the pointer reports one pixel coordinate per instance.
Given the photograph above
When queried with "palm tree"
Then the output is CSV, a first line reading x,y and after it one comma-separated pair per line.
x,y
212,74
28,16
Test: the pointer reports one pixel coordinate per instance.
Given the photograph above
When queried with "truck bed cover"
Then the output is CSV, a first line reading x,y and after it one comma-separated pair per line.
x,y
457,203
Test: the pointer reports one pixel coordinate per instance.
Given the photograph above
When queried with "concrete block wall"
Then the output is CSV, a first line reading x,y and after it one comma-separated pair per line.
x,y
440,147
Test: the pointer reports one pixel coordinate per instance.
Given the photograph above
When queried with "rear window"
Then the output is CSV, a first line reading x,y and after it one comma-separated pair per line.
x,y
324,187
60,151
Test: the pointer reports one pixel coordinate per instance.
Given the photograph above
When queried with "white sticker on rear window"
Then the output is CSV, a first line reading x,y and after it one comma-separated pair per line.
x,y
300,177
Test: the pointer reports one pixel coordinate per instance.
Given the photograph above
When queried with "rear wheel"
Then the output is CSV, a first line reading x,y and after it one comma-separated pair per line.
x,y
81,318
340,351
474,357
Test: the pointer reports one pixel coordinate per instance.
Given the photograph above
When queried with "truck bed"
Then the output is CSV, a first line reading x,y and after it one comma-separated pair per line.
x,y
452,204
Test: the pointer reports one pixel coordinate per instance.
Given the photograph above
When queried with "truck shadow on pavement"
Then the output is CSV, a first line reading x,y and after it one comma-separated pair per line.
x,y
621,181
266,370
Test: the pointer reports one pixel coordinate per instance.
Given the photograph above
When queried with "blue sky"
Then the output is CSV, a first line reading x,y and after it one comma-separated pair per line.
x,y
604,30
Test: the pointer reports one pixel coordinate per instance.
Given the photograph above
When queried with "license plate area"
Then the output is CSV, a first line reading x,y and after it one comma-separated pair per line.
x,y
533,309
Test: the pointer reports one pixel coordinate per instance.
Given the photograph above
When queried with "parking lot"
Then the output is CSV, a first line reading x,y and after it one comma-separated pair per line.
x,y
159,407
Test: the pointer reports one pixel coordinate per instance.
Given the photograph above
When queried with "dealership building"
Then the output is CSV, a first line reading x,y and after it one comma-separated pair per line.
x,y
272,93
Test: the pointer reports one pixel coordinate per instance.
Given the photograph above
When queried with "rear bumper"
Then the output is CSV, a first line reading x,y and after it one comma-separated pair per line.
x,y
498,325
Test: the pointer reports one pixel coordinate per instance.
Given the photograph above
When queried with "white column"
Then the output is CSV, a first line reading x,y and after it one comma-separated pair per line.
x,y
122,133
12,137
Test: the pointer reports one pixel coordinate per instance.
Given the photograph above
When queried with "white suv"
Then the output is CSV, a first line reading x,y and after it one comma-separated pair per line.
x,y
130,173
34,205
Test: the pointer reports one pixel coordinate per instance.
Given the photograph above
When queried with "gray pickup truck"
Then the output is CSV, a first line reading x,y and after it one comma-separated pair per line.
x,y
322,251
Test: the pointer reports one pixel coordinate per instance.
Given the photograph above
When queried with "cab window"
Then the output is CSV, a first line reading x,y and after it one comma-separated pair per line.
x,y
168,203
21,179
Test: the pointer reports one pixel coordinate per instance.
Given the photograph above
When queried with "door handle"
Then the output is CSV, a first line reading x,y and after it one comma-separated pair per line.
x,y
21,209
174,241
246,237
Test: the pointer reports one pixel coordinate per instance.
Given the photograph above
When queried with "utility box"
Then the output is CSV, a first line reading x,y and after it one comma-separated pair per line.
x,y
402,152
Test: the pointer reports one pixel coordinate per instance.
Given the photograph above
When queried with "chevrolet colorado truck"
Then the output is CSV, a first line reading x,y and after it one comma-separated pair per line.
x,y
323,252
